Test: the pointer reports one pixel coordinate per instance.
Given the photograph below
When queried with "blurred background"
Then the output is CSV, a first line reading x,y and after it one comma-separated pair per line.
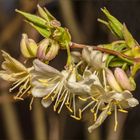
x,y
17,122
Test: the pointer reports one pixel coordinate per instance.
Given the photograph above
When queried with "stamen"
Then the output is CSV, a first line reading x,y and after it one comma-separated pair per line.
x,y
58,95
74,107
20,81
84,99
116,121
31,102
88,105
47,96
104,79
123,111
76,118
92,110
68,99
62,103
63,93
25,91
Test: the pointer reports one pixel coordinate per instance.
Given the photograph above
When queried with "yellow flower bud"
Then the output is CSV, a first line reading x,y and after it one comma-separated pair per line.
x,y
28,47
23,46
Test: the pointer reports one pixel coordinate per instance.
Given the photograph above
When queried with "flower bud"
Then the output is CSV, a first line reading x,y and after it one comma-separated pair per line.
x,y
47,50
52,52
123,80
112,81
114,24
28,47
42,48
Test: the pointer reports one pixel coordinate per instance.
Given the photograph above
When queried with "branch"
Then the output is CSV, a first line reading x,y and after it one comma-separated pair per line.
x,y
108,51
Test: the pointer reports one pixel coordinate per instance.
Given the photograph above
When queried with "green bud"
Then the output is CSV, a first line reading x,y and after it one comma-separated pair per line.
x,y
44,13
113,24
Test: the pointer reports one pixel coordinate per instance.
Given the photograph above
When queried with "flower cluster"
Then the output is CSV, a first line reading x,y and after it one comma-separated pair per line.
x,y
99,79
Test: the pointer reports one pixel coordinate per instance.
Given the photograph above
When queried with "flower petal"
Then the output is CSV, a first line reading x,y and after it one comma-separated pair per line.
x,y
46,103
132,102
41,91
12,65
44,69
77,88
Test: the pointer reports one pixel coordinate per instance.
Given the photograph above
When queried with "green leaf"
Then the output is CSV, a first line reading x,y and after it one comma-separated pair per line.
x,y
130,41
33,18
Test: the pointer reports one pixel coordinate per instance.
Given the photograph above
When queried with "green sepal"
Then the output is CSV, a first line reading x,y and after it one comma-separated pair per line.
x,y
44,13
117,48
118,63
135,68
132,81
130,41
33,18
43,31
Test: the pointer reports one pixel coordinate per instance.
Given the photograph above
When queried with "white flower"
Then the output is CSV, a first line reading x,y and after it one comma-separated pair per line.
x,y
15,72
106,100
109,101
94,58
57,86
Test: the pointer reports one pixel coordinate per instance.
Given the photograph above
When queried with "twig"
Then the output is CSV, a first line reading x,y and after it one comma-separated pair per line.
x,y
108,51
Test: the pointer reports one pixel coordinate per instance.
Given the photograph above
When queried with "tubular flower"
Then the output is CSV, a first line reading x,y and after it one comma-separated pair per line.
x,y
105,100
14,71
57,86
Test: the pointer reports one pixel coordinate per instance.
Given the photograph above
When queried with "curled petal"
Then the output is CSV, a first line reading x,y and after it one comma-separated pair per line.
x,y
99,121
46,103
118,96
52,52
77,88
43,46
132,102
